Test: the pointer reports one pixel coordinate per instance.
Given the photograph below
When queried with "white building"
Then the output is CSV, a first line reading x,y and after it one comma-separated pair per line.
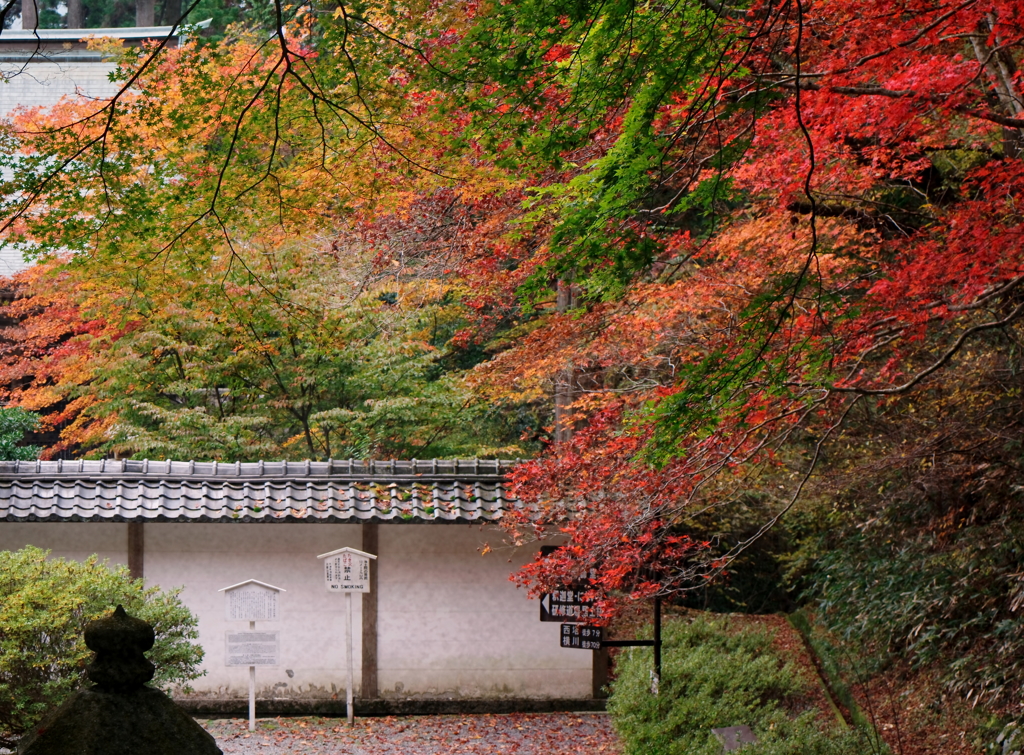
x,y
442,621
39,67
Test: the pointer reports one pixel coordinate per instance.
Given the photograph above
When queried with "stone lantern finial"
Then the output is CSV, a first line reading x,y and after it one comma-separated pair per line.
x,y
119,641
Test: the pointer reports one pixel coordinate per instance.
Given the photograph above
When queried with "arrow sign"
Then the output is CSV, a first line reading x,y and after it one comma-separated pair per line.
x,y
566,605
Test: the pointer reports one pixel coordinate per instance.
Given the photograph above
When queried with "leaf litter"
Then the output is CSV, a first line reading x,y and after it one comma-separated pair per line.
x,y
489,734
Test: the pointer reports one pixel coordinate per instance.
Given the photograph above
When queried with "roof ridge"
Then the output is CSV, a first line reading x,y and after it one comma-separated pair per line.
x,y
372,469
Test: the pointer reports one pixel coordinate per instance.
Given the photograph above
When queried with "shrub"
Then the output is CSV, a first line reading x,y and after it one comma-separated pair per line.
x,y
950,601
715,676
1009,742
44,607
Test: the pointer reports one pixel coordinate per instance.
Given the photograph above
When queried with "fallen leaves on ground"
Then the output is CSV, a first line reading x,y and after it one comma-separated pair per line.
x,y
514,734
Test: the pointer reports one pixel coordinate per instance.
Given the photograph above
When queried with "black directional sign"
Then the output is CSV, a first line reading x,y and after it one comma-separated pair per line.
x,y
581,636
566,605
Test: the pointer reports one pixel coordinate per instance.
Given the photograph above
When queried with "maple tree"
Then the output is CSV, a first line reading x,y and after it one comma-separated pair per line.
x,y
231,363
199,247
241,364
733,239
763,234
44,355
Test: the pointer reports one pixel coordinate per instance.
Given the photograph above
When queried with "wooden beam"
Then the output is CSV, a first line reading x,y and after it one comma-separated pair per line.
x,y
368,688
136,550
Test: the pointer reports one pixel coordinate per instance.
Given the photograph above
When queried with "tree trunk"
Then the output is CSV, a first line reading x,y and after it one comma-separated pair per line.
x,y
1001,69
76,15
170,12
29,15
145,12
565,383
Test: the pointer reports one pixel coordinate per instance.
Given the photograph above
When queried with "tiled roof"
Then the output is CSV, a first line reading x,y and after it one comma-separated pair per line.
x,y
76,35
186,491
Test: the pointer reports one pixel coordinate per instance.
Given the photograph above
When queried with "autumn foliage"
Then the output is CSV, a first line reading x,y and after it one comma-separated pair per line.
x,y
749,261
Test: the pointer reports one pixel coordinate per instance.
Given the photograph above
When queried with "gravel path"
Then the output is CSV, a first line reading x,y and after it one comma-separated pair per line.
x,y
515,734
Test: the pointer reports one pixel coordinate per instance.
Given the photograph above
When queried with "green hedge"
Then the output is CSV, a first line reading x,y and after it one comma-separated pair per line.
x,y
716,675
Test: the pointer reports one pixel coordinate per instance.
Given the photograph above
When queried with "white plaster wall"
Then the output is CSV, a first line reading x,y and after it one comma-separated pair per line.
x,y
34,84
450,623
11,261
44,84
71,540
206,557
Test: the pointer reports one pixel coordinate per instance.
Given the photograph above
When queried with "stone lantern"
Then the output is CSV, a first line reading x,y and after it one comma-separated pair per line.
x,y
119,714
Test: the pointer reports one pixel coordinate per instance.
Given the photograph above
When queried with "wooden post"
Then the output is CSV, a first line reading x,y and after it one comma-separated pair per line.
x,y
136,550
29,15
252,688
348,658
368,689
657,637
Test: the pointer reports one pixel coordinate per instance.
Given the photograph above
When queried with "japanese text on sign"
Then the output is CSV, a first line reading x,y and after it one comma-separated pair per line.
x,y
580,636
251,603
252,649
347,572
567,605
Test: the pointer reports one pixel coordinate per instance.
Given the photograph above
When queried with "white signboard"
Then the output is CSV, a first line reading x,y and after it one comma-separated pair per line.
x,y
252,649
251,601
347,570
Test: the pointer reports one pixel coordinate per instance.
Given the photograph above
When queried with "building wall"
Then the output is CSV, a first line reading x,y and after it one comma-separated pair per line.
x,y
44,84
206,557
450,624
71,540
38,83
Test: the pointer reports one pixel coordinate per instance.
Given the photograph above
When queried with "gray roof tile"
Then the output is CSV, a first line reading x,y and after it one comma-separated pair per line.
x,y
184,491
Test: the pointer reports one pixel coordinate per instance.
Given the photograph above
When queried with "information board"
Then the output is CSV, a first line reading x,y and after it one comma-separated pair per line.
x,y
347,571
251,602
252,649
581,636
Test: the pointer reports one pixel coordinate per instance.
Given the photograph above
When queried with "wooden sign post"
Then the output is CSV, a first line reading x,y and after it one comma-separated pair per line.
x,y
347,570
251,601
